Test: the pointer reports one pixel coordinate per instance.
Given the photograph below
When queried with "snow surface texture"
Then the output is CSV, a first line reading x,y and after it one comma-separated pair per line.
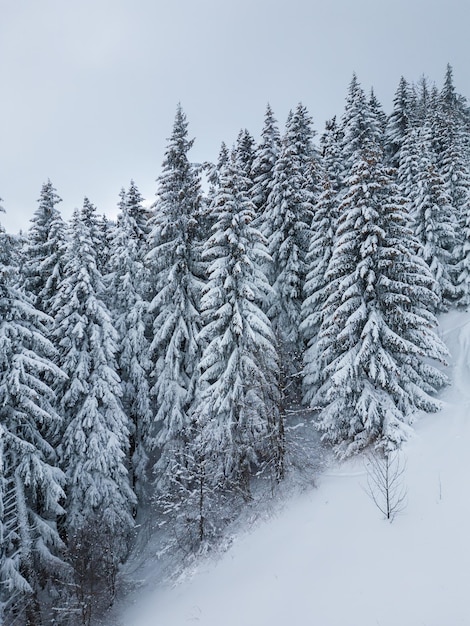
x,y
330,559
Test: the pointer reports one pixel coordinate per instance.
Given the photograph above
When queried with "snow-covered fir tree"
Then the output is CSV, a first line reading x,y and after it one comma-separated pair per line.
x,y
238,421
266,155
423,98
377,325
138,213
453,164
129,282
433,217
31,550
206,219
409,165
463,263
245,153
378,112
214,169
286,225
359,124
399,123
95,439
316,283
330,155
176,285
44,250
323,234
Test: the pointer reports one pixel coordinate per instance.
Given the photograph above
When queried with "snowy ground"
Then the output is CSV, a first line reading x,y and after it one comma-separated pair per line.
x,y
328,558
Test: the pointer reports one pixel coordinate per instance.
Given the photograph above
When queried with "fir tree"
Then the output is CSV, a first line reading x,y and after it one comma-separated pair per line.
x,y
286,226
378,112
31,484
434,220
238,420
44,249
463,265
95,438
398,123
175,306
316,284
129,282
409,166
424,103
330,151
323,235
266,155
358,125
376,329
245,153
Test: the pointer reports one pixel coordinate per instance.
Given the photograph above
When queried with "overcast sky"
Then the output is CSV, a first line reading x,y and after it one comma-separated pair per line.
x,y
89,88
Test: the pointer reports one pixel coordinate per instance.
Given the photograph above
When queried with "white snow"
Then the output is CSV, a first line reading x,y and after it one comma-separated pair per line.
x,y
328,558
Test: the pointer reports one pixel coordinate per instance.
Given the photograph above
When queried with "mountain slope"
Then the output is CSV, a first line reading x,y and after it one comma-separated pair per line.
x,y
328,558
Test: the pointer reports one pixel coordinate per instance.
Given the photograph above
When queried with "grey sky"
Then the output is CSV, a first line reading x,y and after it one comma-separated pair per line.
x,y
89,87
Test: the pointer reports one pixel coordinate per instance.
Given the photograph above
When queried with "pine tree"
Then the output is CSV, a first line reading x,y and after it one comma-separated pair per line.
x,y
424,104
129,282
316,284
378,112
245,153
376,333
44,249
323,229
266,155
410,166
175,306
31,484
434,220
213,171
451,102
358,125
286,226
398,123
463,265
139,215
330,151
95,439
238,420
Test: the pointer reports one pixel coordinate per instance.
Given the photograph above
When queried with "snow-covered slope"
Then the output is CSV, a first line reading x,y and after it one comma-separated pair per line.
x,y
328,558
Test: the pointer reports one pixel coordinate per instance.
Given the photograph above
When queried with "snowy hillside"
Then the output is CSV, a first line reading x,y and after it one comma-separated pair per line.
x,y
328,558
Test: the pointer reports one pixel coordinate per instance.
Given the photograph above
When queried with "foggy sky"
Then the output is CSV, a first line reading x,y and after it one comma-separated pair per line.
x,y
89,88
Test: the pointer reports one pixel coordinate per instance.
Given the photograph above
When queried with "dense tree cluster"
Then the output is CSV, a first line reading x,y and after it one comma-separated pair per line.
x,y
151,364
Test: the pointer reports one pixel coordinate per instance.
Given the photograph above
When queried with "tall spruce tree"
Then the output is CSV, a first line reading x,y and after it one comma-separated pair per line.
x,y
286,225
463,264
377,328
453,164
398,123
129,280
316,284
238,418
266,155
330,154
245,153
410,166
323,234
176,284
358,125
378,112
31,487
44,250
95,439
434,219
322,240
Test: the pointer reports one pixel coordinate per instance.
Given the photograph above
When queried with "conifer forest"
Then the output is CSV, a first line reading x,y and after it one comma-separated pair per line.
x,y
154,366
